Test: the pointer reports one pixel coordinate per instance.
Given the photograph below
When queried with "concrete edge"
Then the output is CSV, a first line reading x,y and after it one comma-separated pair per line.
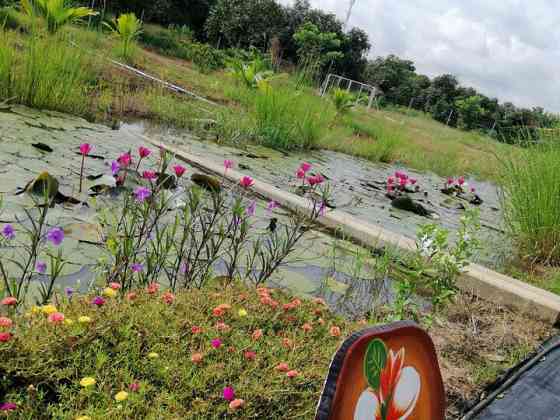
x,y
481,281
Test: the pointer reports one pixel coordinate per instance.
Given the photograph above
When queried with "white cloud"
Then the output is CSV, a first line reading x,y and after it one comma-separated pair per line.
x,y
509,49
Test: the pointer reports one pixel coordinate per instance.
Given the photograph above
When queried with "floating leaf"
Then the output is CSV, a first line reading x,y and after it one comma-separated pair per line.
x,y
374,362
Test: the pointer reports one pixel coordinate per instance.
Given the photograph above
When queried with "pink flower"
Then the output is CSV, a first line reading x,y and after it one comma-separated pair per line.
x,y
56,318
168,298
196,358
271,205
144,152
257,334
149,175
390,180
9,301
400,174
335,331
246,182
236,404
222,326
450,181
390,188
196,329
228,164
125,159
5,322
8,406
300,173
114,285
134,386
85,148
292,373
413,181
131,295
216,343
402,182
461,180
315,180
5,337
179,170
287,343
153,288
229,393
98,301
250,355
282,367
305,167
307,327
472,189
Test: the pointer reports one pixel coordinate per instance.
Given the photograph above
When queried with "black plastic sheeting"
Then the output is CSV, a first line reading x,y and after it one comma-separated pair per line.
x,y
529,391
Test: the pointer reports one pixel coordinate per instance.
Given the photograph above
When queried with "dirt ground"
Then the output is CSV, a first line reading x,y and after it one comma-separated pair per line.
x,y
477,341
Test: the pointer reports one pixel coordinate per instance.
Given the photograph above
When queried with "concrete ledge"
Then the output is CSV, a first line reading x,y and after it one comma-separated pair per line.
x,y
483,282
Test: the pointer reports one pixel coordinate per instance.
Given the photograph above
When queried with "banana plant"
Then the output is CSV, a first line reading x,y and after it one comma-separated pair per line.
x,y
252,73
56,13
128,27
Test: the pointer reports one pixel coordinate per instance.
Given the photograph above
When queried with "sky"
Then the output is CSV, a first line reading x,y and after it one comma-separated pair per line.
x,y
509,49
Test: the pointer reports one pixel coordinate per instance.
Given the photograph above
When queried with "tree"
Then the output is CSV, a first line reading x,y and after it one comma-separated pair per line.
x,y
244,23
355,46
394,76
470,112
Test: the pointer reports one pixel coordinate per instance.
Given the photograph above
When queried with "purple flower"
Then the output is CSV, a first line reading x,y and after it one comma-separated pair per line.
x,y
216,343
250,211
41,267
8,406
184,267
115,167
322,209
136,267
98,301
271,205
141,193
55,235
229,393
8,232
69,292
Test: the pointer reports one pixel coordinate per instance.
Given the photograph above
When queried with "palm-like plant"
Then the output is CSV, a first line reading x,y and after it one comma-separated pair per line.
x,y
342,101
252,73
56,13
128,27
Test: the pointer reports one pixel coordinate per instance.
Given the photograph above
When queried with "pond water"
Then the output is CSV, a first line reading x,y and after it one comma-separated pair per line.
x,y
35,141
358,186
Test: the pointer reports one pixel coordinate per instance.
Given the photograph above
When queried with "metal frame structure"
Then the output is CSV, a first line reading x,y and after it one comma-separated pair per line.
x,y
340,82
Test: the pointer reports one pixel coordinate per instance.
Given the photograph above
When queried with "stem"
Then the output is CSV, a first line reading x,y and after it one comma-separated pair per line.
x,y
82,173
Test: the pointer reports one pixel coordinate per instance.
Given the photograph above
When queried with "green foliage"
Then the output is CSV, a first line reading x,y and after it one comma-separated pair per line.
x,y
470,112
374,362
149,342
206,58
317,45
531,187
56,13
174,43
47,73
128,27
343,100
252,73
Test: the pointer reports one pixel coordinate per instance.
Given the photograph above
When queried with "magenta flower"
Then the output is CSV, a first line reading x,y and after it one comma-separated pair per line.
x,y
300,173
216,343
250,211
246,182
8,232
144,152
271,205
400,174
141,193
305,167
85,148
450,181
179,170
8,406
115,167
98,301
55,235
473,189
390,180
136,267
134,386
41,267
413,181
461,180
125,159
149,175
390,188
229,393
228,164
315,180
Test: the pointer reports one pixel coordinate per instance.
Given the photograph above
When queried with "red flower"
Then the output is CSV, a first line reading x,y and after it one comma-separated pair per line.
x,y
300,173
85,148
287,343
250,355
115,285
144,152
196,330
292,373
5,322
315,180
246,182
5,337
131,295
149,175
168,298
282,367
153,288
9,301
179,170
257,334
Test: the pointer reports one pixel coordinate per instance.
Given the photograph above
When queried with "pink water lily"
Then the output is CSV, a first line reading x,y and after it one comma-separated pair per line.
x,y
228,164
246,182
398,392
179,170
85,148
305,167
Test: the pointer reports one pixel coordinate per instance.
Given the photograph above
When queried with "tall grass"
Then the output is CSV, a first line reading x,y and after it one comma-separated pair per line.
x,y
380,143
288,120
46,73
531,201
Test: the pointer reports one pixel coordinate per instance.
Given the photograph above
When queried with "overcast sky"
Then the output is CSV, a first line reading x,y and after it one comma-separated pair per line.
x,y
509,49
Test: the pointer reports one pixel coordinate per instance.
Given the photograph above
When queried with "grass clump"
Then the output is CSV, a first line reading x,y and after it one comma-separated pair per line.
x,y
531,187
172,355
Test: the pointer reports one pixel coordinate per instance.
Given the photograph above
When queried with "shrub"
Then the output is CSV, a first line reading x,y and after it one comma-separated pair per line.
x,y
56,13
250,74
128,27
531,187
343,100
206,58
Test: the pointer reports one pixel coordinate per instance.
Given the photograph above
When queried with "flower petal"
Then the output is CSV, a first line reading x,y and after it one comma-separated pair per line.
x,y
367,406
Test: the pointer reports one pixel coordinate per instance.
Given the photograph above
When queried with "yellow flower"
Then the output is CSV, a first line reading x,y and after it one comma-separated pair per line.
x,y
84,319
68,321
110,293
35,309
153,355
242,312
83,418
87,381
121,396
48,309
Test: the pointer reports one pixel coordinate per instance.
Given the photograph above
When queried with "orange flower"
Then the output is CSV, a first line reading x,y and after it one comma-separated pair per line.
x,y
282,367
196,358
335,331
257,334
307,327
236,404
292,373
153,288
56,318
168,297
218,311
115,285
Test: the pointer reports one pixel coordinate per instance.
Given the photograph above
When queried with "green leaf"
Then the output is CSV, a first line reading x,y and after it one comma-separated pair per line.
x,y
374,362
